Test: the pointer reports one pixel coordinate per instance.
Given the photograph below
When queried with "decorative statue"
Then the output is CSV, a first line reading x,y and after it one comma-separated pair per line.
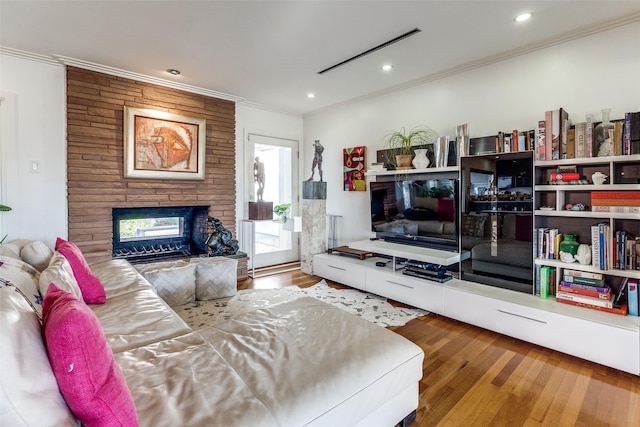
x,y
258,176
220,241
317,159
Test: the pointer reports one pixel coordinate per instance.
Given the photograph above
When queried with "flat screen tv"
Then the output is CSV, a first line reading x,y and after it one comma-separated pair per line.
x,y
416,212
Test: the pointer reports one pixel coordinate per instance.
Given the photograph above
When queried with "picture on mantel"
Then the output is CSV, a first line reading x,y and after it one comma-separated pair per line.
x,y
354,169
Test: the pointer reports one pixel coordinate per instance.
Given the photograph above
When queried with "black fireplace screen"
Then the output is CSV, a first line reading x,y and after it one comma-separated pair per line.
x,y
146,234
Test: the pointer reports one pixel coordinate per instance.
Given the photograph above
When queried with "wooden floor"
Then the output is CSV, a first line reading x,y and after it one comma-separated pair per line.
x,y
474,377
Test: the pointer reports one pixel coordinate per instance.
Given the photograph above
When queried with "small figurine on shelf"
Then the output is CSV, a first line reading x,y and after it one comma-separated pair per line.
x,y
576,207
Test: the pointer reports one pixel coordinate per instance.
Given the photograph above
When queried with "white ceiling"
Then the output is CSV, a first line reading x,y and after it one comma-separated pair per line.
x,y
269,52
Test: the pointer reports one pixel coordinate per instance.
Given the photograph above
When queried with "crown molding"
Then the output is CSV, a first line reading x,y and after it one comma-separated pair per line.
x,y
86,65
30,56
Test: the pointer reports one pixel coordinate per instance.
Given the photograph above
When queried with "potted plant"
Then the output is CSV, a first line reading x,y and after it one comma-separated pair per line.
x,y
282,210
400,144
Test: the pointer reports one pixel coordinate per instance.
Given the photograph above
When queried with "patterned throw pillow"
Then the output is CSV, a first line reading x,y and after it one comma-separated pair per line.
x,y
175,285
82,361
473,225
23,279
216,278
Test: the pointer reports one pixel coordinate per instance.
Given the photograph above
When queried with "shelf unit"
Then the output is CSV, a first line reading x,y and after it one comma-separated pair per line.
x,y
522,316
617,168
372,174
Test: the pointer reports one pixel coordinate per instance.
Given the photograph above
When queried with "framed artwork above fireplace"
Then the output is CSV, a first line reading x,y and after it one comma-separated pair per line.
x,y
161,145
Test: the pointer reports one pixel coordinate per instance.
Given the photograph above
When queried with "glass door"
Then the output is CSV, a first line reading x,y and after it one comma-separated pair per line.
x,y
274,242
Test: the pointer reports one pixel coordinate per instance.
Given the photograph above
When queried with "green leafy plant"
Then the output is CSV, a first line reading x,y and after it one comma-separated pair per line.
x,y
4,208
281,210
402,142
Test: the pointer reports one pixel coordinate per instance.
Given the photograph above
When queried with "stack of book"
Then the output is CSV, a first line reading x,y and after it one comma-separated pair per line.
x,y
586,289
615,201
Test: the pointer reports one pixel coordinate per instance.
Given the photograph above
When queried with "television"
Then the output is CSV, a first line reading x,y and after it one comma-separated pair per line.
x,y
416,212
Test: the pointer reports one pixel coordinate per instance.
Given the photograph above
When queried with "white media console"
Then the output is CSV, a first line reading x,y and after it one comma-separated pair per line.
x,y
603,338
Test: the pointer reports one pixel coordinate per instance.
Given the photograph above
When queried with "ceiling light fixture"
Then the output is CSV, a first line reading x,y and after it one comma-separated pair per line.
x,y
523,17
387,67
173,71
311,95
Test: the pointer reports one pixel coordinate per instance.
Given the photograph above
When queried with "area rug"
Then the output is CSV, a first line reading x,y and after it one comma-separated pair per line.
x,y
371,307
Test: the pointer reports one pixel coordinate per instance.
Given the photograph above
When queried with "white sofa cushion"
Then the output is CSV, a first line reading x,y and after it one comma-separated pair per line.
x,y
59,272
119,277
23,279
29,392
304,359
184,382
176,285
37,254
136,319
216,277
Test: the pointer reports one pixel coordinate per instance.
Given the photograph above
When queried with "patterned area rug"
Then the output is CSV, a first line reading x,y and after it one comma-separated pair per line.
x,y
371,307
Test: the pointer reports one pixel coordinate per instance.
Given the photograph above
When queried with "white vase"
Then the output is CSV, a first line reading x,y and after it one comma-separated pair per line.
x,y
584,254
420,161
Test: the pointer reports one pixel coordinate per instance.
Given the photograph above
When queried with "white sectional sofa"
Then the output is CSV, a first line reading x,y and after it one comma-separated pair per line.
x,y
295,363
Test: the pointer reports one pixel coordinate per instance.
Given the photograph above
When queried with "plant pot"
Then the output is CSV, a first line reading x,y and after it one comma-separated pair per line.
x,y
403,161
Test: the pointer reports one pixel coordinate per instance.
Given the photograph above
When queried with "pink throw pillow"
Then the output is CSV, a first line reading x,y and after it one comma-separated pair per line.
x,y
83,364
90,286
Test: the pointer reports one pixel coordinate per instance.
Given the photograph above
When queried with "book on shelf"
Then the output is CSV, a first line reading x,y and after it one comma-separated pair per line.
x,y
584,299
589,134
614,195
565,126
632,122
571,143
580,140
616,209
563,287
618,145
578,280
540,141
622,310
632,296
578,273
546,281
592,288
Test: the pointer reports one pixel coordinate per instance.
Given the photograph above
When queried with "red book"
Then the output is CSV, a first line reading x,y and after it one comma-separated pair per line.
x,y
587,293
571,176
622,310
615,195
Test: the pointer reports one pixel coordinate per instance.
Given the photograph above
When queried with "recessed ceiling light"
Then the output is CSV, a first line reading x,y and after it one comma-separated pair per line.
x,y
387,67
311,95
523,17
173,71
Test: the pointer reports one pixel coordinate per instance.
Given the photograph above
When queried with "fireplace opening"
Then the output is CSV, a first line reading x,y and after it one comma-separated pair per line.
x,y
153,233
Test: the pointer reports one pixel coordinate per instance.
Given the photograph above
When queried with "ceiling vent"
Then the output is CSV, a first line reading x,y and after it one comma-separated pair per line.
x,y
373,49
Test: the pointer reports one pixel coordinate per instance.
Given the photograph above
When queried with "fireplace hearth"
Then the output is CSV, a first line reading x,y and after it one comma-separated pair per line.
x,y
159,233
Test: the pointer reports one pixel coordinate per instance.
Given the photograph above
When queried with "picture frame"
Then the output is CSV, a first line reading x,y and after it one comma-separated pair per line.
x,y
162,145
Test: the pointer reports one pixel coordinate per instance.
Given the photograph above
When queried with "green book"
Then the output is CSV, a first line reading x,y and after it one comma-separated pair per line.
x,y
589,281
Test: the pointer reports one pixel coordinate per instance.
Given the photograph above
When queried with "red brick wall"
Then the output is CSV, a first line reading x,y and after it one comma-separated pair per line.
x,y
95,107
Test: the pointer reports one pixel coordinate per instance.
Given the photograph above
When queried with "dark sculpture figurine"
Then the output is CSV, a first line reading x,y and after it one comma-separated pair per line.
x,y
220,241
317,159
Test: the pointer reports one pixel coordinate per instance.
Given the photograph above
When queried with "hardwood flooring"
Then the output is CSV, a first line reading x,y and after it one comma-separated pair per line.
x,y
474,377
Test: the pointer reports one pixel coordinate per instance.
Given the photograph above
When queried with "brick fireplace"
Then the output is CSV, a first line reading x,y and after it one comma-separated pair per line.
x,y
95,104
